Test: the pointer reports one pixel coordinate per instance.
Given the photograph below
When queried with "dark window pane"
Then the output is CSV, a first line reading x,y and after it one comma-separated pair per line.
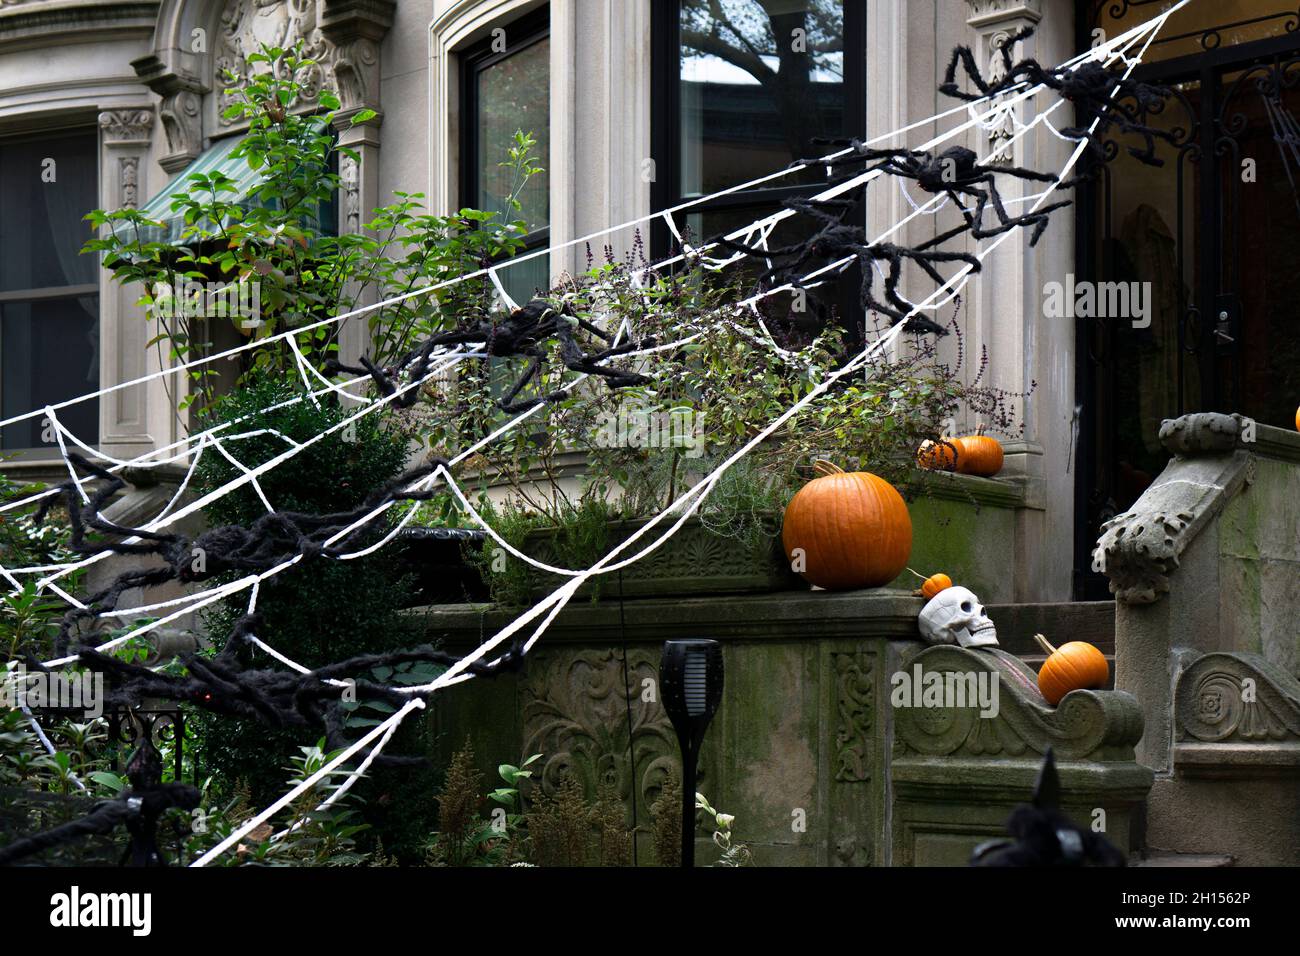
x,y
41,227
49,352
513,94
759,80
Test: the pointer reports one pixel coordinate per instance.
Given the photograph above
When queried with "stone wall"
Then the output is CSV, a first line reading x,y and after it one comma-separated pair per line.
x,y
806,750
1205,568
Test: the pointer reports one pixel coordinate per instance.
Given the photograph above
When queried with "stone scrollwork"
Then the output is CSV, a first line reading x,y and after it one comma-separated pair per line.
x,y
1237,698
1204,433
341,38
1137,551
127,126
246,25
1086,725
576,711
854,711
183,127
1140,548
196,45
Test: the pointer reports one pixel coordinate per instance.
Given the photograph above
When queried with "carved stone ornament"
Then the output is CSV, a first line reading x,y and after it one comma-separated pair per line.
x,y
576,711
180,113
1237,698
854,711
1087,725
347,63
350,174
987,12
129,182
1204,433
127,126
1140,548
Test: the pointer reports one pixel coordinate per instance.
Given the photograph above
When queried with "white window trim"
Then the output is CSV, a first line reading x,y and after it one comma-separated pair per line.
x,y
457,25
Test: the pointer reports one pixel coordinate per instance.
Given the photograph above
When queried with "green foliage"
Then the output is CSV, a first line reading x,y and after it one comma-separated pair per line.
x,y
303,834
558,828
580,537
666,816
276,238
464,837
733,853
638,449
320,611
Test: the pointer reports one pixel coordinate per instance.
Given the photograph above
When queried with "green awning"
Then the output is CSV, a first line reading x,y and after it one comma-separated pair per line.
x,y
216,158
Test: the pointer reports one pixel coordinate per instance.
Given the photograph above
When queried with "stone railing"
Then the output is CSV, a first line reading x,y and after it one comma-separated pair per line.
x,y
1205,569
808,749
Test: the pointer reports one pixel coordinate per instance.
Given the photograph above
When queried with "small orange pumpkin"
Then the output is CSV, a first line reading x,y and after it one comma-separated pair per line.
x,y
937,455
1297,419
852,528
979,454
1073,666
934,584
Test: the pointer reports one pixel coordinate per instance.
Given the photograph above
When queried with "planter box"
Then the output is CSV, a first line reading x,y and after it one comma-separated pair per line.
x,y
695,560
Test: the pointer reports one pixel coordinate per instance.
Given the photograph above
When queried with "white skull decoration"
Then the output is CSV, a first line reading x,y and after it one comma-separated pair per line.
x,y
956,616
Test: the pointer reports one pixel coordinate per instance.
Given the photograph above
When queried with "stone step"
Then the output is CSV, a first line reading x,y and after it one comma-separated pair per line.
x,y
1091,621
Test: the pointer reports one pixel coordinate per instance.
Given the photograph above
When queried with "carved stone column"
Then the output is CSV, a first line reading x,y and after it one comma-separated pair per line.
x,y
1005,303
125,426
356,28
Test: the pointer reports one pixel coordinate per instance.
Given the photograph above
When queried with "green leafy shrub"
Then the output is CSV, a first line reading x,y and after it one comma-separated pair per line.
x,y
321,610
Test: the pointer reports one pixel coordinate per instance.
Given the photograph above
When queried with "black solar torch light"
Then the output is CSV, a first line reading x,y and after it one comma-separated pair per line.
x,y
690,682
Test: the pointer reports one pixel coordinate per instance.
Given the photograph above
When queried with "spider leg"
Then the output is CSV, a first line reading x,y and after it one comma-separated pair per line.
x,y
533,368
963,57
991,196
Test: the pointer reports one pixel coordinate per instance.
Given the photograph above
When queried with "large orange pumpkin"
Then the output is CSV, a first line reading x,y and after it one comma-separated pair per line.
x,y
1073,666
1297,419
979,454
852,529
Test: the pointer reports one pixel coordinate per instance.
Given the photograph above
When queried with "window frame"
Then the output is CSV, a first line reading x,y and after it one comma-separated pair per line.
x,y
38,294
665,121
521,33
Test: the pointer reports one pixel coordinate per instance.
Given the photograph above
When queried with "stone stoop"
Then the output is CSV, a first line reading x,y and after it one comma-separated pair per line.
x,y
810,748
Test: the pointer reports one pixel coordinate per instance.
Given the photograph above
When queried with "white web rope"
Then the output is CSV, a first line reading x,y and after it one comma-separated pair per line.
x,y
551,606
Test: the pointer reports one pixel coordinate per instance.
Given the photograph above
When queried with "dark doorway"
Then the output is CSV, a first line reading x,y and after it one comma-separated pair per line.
x,y
1216,233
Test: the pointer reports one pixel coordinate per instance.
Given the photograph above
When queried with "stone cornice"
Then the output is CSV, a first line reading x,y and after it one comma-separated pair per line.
x,y
49,22
987,14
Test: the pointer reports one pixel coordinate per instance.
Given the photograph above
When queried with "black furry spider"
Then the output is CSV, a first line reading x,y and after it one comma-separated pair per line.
x,y
837,240
1100,93
1043,836
957,172
524,332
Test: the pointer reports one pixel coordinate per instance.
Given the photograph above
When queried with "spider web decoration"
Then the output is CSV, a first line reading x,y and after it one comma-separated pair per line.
x,y
1285,129
279,541
1103,95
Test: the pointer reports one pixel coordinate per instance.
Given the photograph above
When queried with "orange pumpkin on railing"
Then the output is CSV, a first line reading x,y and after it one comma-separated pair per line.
x,y
850,529
979,454
1073,666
